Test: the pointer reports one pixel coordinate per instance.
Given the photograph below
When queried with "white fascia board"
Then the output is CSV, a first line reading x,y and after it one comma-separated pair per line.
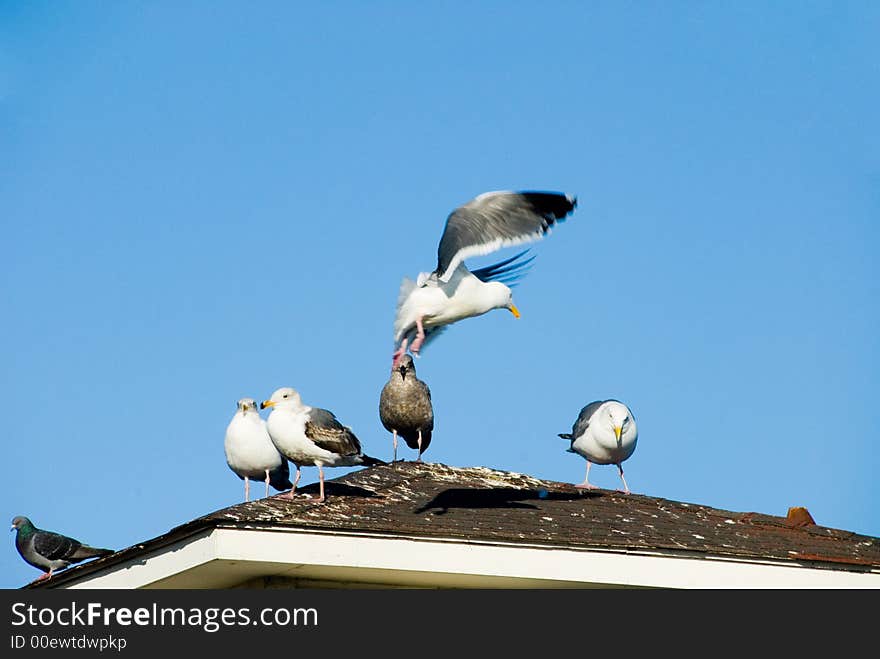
x,y
373,555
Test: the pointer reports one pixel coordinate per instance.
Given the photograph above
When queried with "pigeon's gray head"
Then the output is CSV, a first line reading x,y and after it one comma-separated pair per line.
x,y
19,522
284,397
406,366
246,405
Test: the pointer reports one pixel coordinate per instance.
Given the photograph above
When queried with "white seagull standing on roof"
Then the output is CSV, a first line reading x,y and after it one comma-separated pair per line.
x,y
250,452
605,432
452,292
311,436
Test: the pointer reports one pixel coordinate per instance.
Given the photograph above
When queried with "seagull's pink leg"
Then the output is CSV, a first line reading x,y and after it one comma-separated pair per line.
x,y
394,459
419,459
267,482
321,479
587,485
625,489
295,481
399,353
420,337
247,489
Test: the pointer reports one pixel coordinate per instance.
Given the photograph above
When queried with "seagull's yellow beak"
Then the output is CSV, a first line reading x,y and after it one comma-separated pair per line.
x,y
617,431
266,403
512,308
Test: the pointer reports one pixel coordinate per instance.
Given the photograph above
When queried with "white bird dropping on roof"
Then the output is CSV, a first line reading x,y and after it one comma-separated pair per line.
x,y
451,293
311,436
250,452
604,433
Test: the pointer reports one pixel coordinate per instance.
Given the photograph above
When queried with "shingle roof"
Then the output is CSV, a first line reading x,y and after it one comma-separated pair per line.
x,y
432,500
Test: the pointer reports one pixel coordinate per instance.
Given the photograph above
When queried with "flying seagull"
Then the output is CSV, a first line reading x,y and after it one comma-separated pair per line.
x,y
605,433
451,292
50,551
405,407
311,436
250,452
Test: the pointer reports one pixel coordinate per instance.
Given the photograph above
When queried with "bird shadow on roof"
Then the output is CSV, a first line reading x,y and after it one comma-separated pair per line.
x,y
498,497
335,489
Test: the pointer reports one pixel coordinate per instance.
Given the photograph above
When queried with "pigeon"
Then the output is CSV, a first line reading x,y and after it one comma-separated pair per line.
x,y
405,407
50,551
604,433
250,452
451,292
311,436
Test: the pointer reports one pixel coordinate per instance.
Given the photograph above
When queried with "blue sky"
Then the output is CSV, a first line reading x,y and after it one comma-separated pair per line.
x,y
203,201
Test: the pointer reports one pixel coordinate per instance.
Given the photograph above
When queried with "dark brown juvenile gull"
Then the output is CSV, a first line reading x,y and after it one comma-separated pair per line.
x,y
405,407
451,292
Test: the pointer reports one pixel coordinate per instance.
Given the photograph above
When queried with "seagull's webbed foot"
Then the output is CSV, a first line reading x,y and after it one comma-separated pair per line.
x,y
586,486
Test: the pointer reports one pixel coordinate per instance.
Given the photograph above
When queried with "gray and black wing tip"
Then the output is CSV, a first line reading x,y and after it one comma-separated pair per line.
x,y
280,478
557,205
281,485
369,461
566,435
85,551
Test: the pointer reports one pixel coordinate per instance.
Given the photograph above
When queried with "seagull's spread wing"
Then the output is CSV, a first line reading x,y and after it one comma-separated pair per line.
x,y
495,220
324,429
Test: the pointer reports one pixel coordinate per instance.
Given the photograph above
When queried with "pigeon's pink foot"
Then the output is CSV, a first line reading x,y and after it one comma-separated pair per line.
x,y
45,575
586,486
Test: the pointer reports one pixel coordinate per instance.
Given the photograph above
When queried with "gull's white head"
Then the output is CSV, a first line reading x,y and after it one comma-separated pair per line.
x,y
247,405
619,418
499,296
286,397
